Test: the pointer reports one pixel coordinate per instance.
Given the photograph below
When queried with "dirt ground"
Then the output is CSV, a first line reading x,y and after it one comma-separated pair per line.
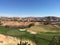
x,y
8,40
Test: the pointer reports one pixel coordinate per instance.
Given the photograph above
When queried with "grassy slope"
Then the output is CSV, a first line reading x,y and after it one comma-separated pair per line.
x,y
40,39
44,28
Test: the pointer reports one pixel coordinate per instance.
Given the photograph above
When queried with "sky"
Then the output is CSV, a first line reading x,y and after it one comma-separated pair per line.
x,y
30,8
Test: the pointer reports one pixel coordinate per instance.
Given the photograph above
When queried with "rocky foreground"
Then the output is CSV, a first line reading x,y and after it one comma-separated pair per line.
x,y
8,40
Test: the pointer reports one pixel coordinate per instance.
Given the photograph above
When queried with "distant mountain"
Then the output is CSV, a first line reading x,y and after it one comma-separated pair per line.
x,y
29,21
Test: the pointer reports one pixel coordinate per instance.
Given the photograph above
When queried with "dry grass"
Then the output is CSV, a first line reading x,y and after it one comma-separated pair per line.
x,y
44,28
8,40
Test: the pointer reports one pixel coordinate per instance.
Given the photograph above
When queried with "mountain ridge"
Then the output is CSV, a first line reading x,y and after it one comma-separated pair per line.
x,y
28,21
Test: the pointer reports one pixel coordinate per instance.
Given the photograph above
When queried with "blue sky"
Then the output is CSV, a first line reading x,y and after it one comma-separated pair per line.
x,y
27,8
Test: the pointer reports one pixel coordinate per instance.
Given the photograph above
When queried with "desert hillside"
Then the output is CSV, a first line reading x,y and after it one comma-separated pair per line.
x,y
28,21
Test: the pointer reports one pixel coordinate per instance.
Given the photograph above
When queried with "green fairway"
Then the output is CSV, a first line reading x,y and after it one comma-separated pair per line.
x,y
39,39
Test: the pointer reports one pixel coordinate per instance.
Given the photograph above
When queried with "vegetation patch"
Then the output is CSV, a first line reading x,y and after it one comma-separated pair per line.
x,y
42,38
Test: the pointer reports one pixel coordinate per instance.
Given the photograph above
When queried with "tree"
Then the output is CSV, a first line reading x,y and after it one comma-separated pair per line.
x,y
1,23
46,23
53,41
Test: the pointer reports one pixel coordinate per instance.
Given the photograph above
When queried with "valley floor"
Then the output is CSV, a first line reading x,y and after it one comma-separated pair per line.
x,y
34,34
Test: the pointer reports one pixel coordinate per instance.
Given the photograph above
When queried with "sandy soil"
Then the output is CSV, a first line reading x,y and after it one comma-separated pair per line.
x,y
8,40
